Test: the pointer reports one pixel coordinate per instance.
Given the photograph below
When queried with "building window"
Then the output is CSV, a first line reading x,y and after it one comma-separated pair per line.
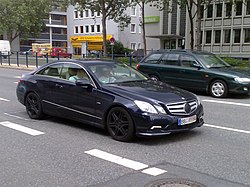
x,y
217,36
81,29
228,9
75,14
208,37
92,28
98,28
237,36
132,29
133,46
210,11
81,14
133,11
202,11
219,10
227,36
92,14
98,14
247,7
247,36
86,13
139,46
238,8
76,30
86,28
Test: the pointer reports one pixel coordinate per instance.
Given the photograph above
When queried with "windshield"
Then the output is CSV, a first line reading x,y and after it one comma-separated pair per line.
x,y
115,73
212,61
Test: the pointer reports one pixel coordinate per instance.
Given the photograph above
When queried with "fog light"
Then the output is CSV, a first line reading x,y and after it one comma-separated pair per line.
x,y
155,127
245,88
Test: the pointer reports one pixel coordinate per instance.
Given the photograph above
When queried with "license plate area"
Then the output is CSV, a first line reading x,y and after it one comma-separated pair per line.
x,y
187,120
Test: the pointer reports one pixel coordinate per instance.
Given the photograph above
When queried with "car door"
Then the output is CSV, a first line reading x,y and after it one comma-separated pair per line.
x,y
192,75
75,102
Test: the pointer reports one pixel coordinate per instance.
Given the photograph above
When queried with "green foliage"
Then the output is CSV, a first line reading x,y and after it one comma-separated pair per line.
x,y
118,48
23,17
126,60
237,62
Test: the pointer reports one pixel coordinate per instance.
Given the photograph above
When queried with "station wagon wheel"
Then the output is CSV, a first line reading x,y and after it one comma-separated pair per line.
x,y
120,124
33,106
154,77
218,88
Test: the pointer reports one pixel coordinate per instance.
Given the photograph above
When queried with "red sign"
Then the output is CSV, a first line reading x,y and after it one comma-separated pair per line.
x,y
112,40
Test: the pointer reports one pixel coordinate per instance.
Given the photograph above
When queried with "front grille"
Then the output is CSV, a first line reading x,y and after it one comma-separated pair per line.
x,y
182,108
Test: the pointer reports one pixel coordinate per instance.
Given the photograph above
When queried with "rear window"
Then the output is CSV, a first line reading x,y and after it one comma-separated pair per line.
x,y
153,58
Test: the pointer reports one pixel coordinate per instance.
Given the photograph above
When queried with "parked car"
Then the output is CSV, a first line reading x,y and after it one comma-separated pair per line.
x,y
196,70
28,52
59,52
126,103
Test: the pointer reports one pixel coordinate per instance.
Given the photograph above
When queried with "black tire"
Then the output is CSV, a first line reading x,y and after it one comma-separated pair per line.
x,y
218,89
154,77
34,106
120,125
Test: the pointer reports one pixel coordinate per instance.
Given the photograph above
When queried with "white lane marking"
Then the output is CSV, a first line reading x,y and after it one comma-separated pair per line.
x,y
227,128
11,115
15,82
18,77
2,99
226,102
153,171
21,128
125,162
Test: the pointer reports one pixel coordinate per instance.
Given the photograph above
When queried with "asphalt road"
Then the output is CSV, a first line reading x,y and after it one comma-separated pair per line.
x,y
66,153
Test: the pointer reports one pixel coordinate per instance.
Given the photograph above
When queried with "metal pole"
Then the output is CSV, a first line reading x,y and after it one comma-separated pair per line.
x,y
9,58
27,60
17,59
112,48
1,58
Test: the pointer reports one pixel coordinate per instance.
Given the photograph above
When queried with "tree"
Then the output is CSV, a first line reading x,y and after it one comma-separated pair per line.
x,y
109,9
22,17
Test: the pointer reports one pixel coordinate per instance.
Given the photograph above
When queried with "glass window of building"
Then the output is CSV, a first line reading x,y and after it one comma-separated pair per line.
x,y
247,36
92,14
133,46
81,29
98,28
76,30
133,11
217,36
75,14
92,27
237,36
209,11
86,13
132,28
227,35
219,10
81,14
86,28
139,46
228,9
248,8
98,14
208,37
238,8
202,11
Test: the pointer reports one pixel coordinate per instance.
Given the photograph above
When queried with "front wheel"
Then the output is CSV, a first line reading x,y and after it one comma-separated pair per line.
x,y
120,124
218,88
33,106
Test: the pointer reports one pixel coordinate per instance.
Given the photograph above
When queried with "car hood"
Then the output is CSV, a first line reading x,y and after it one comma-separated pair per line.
x,y
233,71
155,91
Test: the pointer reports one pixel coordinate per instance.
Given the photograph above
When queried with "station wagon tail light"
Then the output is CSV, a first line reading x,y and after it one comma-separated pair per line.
x,y
242,80
137,66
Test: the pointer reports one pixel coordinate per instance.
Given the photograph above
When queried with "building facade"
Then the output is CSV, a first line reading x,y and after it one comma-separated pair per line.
x,y
85,31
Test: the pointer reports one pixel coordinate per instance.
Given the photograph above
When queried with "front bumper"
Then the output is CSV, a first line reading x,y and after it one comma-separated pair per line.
x,y
157,125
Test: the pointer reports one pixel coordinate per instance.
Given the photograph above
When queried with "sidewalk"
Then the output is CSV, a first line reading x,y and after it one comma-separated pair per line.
x,y
14,66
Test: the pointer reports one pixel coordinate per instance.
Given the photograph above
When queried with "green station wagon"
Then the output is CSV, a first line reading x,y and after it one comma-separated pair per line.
x,y
195,71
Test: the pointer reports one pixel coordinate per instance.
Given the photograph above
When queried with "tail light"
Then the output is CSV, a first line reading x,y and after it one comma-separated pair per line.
x,y
137,66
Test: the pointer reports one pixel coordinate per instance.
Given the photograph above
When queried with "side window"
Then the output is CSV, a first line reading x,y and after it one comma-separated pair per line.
x,y
170,59
153,58
187,61
53,70
73,72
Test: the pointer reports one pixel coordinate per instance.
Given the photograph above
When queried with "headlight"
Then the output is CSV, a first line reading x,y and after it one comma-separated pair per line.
x,y
242,80
147,107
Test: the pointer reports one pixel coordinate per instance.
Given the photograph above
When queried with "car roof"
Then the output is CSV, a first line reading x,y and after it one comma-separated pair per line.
x,y
187,51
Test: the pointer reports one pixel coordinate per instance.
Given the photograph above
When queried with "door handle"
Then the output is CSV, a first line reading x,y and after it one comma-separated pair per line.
x,y
59,86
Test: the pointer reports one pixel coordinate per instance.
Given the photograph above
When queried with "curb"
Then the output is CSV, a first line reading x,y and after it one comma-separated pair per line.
x,y
22,67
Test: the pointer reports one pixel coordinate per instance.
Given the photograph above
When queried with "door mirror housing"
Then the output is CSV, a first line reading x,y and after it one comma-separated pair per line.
x,y
84,83
198,66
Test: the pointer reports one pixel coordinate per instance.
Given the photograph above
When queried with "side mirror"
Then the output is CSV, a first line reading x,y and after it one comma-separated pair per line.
x,y
84,83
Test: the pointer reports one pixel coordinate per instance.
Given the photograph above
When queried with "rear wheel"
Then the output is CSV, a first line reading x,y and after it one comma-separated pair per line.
x,y
218,88
154,77
120,124
33,106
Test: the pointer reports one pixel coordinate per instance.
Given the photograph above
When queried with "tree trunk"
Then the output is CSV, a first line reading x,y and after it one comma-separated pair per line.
x,y
143,29
198,25
190,7
104,29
